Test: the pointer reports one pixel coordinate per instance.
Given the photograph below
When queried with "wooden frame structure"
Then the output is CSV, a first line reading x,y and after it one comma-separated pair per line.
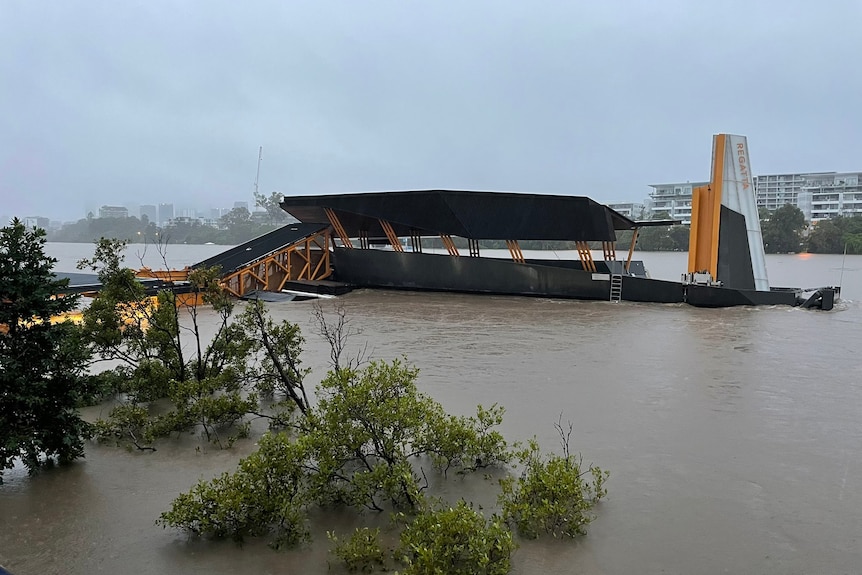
x,y
307,259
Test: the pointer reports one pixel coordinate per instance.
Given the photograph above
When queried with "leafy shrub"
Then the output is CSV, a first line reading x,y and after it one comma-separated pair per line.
x,y
456,541
553,494
361,552
370,423
265,495
128,422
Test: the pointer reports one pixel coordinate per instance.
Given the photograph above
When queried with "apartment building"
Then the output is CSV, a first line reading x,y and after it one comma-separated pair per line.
x,y
775,190
674,199
113,212
631,210
820,195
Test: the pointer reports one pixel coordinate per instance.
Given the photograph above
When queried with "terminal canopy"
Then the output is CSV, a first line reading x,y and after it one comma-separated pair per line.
x,y
474,215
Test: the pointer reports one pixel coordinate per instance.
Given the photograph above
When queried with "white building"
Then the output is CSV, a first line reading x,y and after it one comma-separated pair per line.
x,y
775,190
631,210
820,195
113,212
36,222
674,199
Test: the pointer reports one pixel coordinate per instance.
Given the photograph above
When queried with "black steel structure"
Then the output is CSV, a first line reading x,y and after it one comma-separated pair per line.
x,y
362,221
476,215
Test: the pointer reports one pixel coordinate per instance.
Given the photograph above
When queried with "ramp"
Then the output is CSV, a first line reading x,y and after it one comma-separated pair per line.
x,y
266,263
260,247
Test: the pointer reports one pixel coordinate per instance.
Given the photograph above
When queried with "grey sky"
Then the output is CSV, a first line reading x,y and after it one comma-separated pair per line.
x,y
148,101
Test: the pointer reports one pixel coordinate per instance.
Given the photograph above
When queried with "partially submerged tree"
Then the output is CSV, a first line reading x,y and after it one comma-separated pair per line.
x,y
278,348
151,336
835,235
457,541
364,446
42,363
367,442
358,447
782,231
554,493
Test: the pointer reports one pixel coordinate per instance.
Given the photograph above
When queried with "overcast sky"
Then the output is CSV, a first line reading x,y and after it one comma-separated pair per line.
x,y
149,101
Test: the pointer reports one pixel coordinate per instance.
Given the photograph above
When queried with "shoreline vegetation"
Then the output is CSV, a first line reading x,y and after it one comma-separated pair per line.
x,y
784,231
363,439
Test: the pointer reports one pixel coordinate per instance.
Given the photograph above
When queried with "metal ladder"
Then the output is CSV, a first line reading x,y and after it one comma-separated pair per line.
x,y
616,287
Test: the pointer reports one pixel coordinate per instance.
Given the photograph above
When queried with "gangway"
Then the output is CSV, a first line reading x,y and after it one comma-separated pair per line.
x,y
298,251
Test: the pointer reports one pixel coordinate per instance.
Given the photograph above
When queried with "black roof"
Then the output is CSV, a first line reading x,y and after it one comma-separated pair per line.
x,y
475,215
261,246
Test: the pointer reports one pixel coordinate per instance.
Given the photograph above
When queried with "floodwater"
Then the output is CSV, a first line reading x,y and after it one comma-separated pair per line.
x,y
733,436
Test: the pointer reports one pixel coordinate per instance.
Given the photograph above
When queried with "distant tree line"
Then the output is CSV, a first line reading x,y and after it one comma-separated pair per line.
x,y
784,231
236,227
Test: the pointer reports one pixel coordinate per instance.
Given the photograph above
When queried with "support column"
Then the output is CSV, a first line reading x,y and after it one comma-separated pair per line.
x,y
339,229
450,245
390,235
416,241
515,250
632,248
586,256
474,247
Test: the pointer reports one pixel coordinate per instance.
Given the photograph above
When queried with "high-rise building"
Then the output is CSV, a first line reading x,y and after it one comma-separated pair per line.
x,y
240,205
820,195
36,222
775,190
166,213
113,212
150,212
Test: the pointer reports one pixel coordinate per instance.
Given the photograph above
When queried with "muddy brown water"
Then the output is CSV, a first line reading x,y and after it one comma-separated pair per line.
x,y
733,437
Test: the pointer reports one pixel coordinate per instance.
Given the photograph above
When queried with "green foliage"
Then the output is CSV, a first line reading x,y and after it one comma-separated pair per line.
x,y
205,386
91,229
362,551
467,443
211,403
456,541
266,494
371,422
272,205
363,429
782,232
102,386
661,239
279,348
361,446
42,365
236,229
554,494
832,236
127,423
358,446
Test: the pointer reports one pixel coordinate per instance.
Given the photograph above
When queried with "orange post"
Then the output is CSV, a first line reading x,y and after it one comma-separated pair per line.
x,y
706,217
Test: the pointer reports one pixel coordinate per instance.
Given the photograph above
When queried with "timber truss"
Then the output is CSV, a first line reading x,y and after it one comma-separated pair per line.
x,y
306,259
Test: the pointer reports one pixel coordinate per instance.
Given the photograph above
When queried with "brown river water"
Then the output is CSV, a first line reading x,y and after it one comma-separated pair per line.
x,y
733,436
